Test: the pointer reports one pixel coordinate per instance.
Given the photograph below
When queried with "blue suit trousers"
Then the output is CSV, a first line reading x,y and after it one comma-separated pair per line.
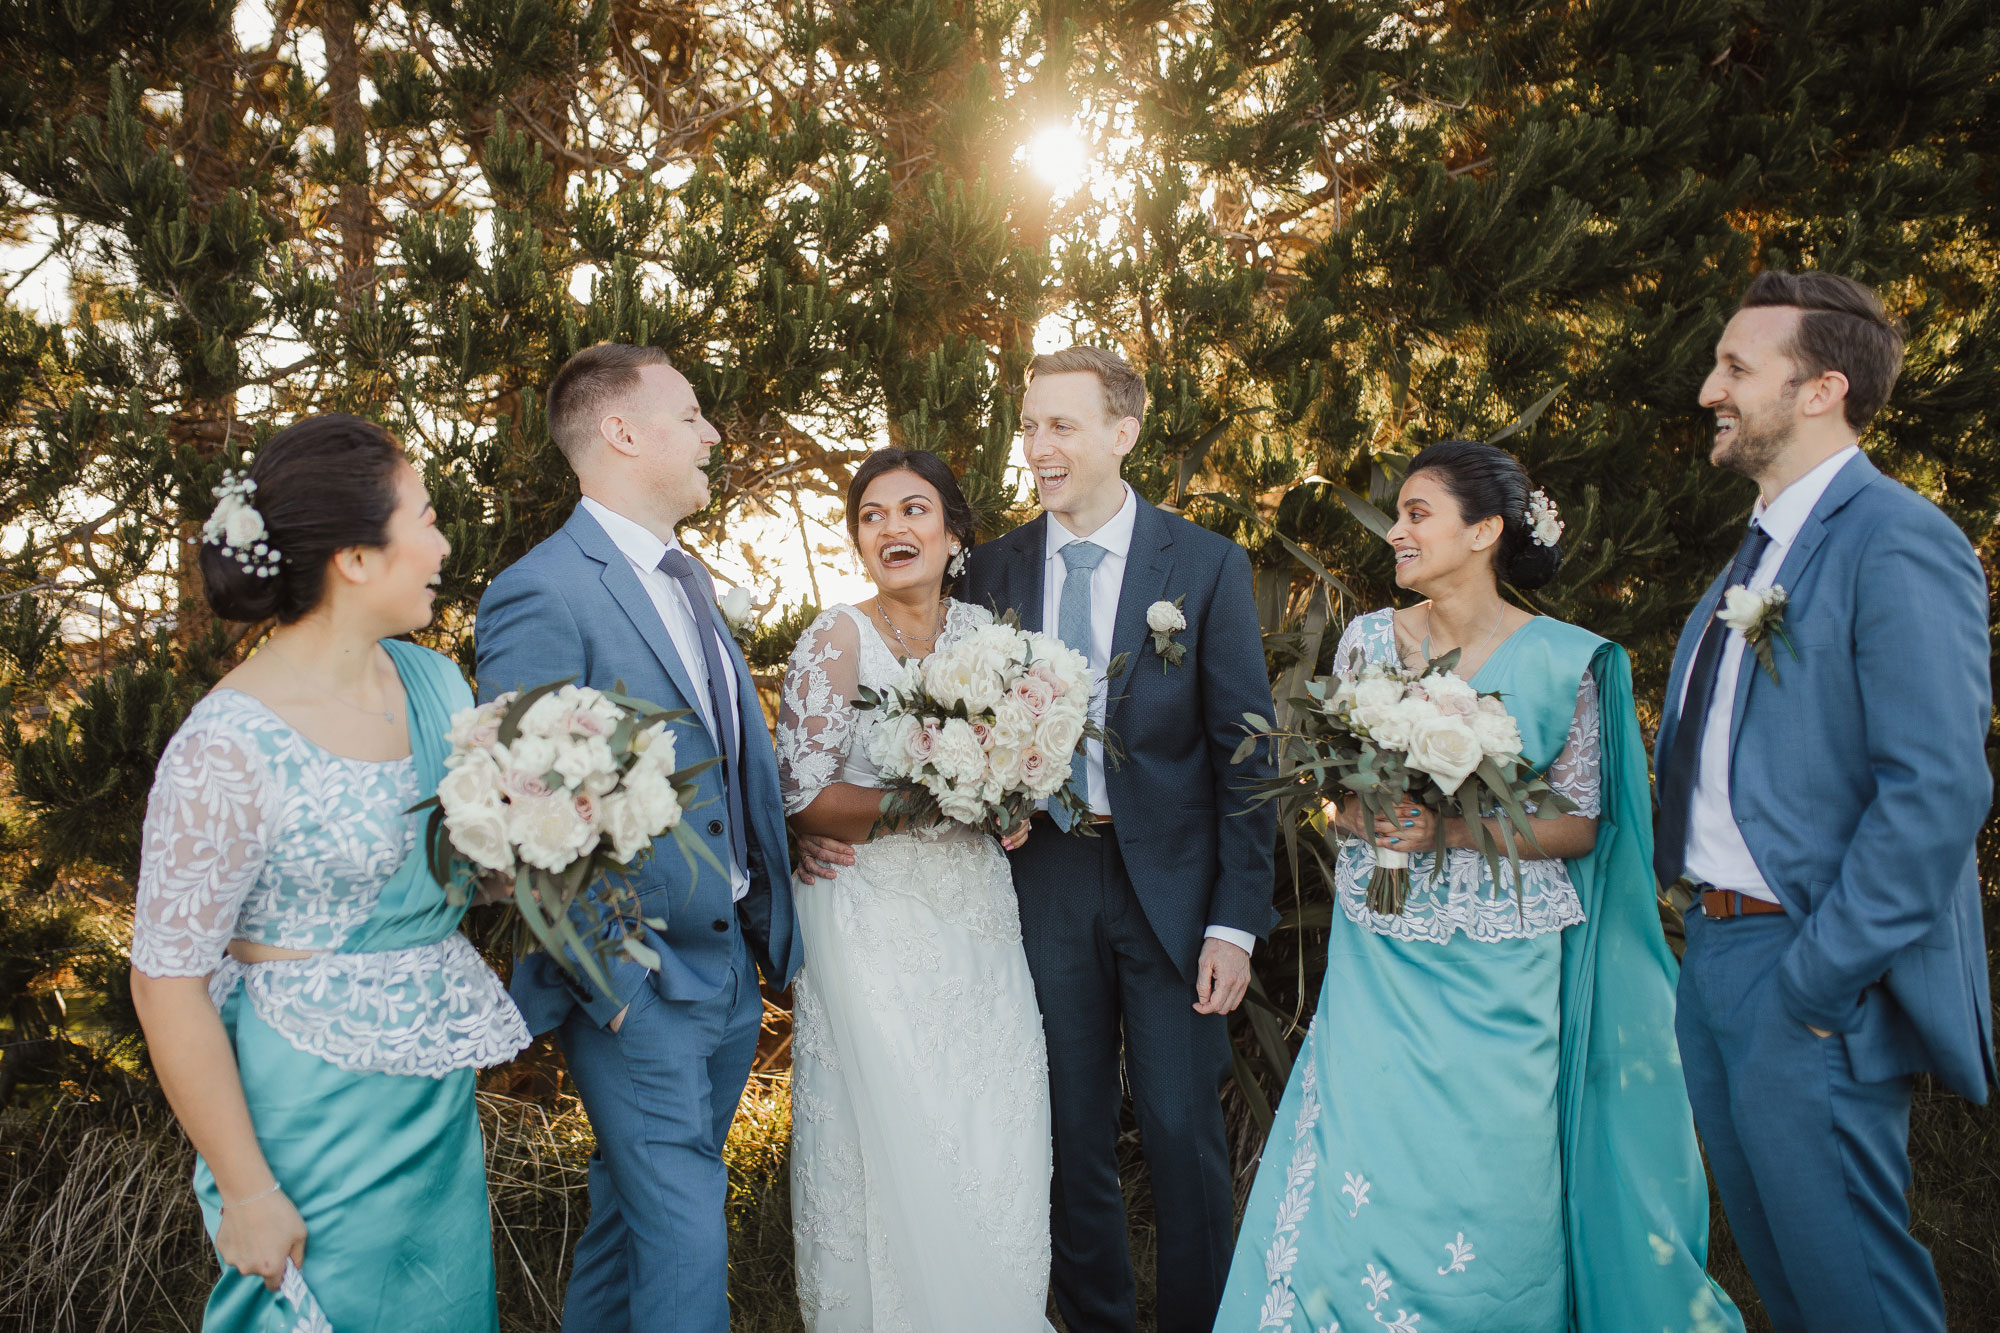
x,y
660,1093
1812,1163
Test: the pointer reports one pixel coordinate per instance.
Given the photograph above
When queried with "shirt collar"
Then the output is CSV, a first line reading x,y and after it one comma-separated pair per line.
x,y
1784,516
1115,536
638,544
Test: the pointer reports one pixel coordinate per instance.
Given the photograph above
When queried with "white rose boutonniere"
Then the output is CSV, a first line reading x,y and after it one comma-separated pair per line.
x,y
1166,619
1758,614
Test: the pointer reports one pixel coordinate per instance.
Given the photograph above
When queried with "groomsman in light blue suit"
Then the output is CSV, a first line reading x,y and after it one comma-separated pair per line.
x,y
661,1059
1821,785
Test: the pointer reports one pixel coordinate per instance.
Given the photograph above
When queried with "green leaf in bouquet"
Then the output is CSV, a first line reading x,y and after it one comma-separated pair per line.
x,y
693,845
1257,723
1244,749
640,952
510,725
1117,666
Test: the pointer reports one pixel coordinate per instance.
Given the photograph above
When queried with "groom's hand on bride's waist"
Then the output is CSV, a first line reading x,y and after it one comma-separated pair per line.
x,y
1221,977
821,856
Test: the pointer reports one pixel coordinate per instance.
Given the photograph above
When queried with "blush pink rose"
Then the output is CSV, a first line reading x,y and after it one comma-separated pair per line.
x,y
922,742
520,784
1035,692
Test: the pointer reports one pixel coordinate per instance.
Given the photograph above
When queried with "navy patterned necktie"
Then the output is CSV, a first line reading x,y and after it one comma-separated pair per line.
x,y
1677,774
700,593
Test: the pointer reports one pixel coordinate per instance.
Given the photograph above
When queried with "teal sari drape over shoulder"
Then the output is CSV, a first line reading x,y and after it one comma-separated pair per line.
x,y
1490,1130
387,1169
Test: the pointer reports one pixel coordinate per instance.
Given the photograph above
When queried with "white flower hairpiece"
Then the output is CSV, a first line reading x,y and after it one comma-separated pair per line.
x,y
237,529
1543,524
956,569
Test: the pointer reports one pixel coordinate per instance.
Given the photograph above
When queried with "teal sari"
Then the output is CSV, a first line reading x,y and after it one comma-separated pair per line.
x,y
1495,1134
387,1169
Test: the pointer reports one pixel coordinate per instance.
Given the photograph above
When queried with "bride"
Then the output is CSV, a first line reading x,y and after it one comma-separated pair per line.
x,y
920,1105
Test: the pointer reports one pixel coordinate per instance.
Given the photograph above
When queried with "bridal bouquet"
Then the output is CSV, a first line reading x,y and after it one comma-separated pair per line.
x,y
980,731
561,787
1387,734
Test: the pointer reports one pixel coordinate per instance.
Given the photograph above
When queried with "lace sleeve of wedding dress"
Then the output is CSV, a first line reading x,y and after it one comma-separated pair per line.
x,y
1345,659
1578,771
203,848
816,708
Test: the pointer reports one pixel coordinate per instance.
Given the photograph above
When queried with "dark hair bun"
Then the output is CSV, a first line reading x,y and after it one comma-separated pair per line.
x,y
323,484
1489,482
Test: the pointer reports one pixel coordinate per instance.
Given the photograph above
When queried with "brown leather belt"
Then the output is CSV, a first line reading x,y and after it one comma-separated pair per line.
x,y
1722,904
1099,820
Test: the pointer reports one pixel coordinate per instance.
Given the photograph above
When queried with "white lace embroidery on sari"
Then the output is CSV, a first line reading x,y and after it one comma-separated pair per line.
x,y
252,832
1469,899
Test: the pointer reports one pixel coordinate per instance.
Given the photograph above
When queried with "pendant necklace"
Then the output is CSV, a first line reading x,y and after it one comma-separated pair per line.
x,y
908,651
1500,620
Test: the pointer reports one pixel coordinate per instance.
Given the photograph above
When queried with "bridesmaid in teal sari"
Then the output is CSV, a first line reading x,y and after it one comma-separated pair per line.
x,y
1487,1127
315,1016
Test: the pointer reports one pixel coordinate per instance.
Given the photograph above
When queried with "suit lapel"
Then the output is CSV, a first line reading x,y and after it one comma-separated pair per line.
x,y
1026,571
1848,482
631,596
1146,566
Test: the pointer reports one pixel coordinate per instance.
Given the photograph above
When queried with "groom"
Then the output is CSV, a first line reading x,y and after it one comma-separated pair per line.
x,y
1821,788
662,1057
1139,939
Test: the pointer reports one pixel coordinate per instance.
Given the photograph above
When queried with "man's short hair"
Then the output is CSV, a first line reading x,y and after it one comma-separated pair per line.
x,y
588,386
1124,387
1843,327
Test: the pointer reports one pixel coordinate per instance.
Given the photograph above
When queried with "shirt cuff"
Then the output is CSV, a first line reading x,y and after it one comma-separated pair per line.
x,y
1242,939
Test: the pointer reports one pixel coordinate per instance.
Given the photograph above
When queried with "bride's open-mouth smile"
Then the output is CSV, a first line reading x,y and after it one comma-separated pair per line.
x,y
899,554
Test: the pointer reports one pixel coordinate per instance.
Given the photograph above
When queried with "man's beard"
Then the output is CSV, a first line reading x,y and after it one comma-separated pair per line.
x,y
1758,441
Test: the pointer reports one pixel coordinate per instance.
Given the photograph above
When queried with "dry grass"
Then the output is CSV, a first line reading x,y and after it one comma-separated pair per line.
x,y
99,1232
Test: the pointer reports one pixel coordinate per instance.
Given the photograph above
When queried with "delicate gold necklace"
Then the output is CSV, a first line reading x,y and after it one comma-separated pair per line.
x,y
908,651
385,714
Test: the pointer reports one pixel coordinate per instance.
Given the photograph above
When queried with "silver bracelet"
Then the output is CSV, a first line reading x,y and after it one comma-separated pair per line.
x,y
260,1194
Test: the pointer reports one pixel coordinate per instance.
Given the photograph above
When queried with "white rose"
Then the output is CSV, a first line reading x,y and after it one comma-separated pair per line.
x,y
471,780
1445,748
1013,725
549,831
1451,694
582,759
959,756
1341,697
888,745
468,724
738,607
1392,727
1165,618
1059,732
1003,766
651,802
620,823
963,804
479,832
1499,736
1374,692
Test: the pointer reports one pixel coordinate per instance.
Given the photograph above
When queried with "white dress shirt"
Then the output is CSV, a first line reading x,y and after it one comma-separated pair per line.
x,y
1106,582
643,551
1716,851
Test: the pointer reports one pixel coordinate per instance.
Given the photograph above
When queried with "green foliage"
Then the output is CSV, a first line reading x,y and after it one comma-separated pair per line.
x,y
767,645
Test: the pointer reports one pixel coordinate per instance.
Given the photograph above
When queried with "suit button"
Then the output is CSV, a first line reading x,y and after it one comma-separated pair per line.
x,y
722,925
714,828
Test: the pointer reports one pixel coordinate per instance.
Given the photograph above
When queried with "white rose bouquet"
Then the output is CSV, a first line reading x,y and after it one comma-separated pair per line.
x,y
979,731
561,787
1388,735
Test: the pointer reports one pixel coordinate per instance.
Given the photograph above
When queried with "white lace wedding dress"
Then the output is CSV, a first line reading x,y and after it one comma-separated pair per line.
x,y
920,1105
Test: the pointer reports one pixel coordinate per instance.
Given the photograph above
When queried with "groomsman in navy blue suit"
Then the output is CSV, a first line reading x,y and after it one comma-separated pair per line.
x,y
1822,779
661,1058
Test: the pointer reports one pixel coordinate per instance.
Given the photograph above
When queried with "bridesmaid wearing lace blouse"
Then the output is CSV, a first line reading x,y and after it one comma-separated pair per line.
x,y
1487,1127
312,1010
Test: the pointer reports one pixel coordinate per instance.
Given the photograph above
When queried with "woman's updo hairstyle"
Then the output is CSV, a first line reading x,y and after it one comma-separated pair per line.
x,y
1488,482
957,513
322,484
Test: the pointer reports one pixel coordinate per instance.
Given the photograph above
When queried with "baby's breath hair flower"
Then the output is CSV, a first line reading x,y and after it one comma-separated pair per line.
x,y
237,529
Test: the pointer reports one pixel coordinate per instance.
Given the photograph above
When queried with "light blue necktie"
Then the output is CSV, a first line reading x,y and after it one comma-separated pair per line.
x,y
1073,628
700,593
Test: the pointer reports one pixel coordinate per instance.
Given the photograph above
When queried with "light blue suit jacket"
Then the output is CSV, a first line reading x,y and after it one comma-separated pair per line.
x,y
572,607
1859,778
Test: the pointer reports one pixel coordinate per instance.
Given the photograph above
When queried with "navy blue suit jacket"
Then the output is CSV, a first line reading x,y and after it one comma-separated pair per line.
x,y
1198,853
572,607
1859,778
